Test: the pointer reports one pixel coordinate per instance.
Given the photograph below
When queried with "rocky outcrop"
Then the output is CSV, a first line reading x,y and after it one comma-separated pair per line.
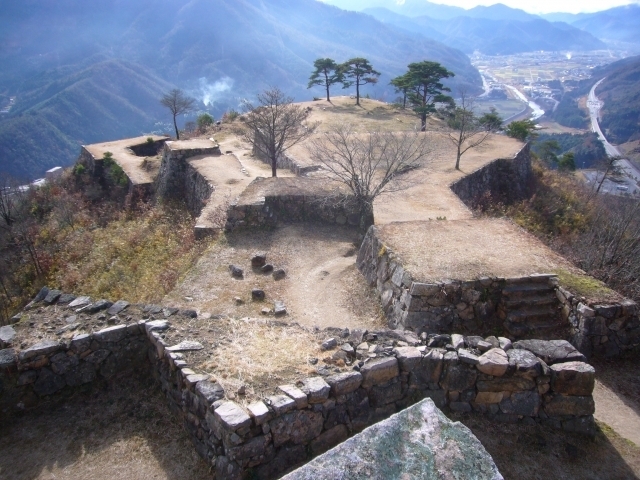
x,y
419,442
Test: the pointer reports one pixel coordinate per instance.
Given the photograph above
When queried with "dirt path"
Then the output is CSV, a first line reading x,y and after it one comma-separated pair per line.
x,y
617,395
618,412
322,287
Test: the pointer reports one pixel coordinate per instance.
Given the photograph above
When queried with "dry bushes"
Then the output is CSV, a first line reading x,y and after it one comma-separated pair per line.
x,y
64,236
598,233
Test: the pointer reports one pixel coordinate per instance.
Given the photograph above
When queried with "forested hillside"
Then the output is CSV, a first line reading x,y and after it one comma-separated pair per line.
x,y
620,93
99,70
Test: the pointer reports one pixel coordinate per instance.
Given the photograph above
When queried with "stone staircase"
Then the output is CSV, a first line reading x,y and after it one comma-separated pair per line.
x,y
532,309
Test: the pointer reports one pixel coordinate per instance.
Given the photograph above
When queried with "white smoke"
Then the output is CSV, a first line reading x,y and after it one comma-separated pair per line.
x,y
210,92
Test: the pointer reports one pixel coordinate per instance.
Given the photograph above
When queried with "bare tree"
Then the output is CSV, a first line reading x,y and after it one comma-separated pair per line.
x,y
369,164
469,131
274,124
607,168
178,103
11,198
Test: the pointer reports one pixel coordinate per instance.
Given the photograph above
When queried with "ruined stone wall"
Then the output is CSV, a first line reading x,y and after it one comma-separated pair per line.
x,y
534,306
506,180
179,180
287,161
599,329
292,208
529,381
96,169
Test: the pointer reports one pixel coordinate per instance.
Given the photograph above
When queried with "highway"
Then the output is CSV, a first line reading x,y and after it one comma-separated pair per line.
x,y
632,173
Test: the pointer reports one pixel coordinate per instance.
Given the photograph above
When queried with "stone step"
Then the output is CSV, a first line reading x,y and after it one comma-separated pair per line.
x,y
535,300
531,314
527,290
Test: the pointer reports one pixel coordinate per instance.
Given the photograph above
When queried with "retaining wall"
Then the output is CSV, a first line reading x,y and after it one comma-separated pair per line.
x,y
506,180
534,306
179,180
529,381
287,161
303,207
96,169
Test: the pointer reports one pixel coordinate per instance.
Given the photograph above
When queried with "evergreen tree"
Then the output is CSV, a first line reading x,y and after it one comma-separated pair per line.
x,y
425,88
326,74
357,71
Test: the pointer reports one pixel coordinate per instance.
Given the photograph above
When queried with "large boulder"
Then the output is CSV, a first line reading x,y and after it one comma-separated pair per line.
x,y
419,442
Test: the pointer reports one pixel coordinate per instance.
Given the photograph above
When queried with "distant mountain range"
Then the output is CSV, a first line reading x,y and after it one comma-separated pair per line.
x,y
615,24
494,36
85,72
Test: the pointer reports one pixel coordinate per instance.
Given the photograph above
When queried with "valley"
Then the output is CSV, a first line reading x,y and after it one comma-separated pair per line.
x,y
242,269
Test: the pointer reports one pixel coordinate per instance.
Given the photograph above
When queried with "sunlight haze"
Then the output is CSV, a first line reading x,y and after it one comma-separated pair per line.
x,y
541,6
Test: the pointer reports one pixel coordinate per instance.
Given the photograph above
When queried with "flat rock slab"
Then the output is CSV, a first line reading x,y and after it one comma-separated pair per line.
x,y
80,302
417,443
551,351
186,346
117,307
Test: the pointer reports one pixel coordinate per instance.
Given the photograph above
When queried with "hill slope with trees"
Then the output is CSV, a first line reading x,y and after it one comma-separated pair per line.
x,y
100,71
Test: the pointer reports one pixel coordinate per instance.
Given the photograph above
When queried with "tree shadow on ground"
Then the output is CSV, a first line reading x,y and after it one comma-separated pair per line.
x,y
122,429
535,452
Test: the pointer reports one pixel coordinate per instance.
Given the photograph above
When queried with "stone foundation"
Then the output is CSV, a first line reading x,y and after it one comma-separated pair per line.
x,y
177,179
533,306
290,200
529,381
505,180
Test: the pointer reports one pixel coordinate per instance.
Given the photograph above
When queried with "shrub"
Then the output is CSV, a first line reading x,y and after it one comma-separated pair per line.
x,y
204,121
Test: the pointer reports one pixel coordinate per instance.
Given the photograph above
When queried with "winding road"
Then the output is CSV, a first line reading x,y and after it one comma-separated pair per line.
x,y
595,105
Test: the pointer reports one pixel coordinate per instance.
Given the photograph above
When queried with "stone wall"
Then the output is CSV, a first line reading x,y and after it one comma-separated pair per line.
x,y
269,210
506,180
95,167
289,162
55,367
599,329
534,306
530,381
179,180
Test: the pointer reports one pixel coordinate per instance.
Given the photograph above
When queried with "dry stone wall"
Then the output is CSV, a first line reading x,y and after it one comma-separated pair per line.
x,y
178,179
96,169
534,306
529,381
505,180
269,210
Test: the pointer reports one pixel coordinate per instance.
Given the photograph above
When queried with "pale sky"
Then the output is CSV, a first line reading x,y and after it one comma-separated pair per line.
x,y
531,6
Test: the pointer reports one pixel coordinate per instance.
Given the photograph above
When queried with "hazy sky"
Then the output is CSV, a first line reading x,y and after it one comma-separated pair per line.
x,y
532,6
545,6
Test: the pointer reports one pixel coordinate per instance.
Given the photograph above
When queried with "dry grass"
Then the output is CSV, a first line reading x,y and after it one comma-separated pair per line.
x,y
371,115
139,257
468,249
260,354
124,430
